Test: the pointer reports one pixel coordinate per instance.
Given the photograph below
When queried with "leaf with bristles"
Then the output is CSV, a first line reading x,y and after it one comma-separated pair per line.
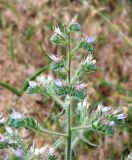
x,y
24,121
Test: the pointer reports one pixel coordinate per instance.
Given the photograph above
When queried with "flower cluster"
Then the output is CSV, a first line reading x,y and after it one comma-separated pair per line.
x,y
43,84
105,118
77,90
86,43
18,120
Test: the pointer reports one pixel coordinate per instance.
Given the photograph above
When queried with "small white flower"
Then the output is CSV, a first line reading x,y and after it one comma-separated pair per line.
x,y
99,107
121,116
85,102
58,83
41,79
106,109
74,20
12,142
36,151
9,130
58,31
81,86
49,78
2,120
90,59
16,115
55,58
51,151
43,149
111,123
32,84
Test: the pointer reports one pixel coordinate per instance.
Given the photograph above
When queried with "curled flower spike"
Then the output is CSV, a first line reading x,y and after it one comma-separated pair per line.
x,y
81,86
16,116
121,116
55,58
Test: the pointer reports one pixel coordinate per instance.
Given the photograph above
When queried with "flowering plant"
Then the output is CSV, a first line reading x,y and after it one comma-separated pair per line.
x,y
63,90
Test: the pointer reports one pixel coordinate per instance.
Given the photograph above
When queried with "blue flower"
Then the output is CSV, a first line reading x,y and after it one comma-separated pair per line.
x,y
90,39
16,115
121,116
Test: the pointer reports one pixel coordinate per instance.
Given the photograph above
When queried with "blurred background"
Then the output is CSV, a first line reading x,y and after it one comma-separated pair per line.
x,y
25,29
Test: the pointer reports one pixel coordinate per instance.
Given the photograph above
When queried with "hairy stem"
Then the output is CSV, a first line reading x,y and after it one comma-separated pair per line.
x,y
68,112
69,151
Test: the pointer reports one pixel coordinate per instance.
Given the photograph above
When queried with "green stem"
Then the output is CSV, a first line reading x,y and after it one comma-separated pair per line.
x,y
68,112
69,59
69,133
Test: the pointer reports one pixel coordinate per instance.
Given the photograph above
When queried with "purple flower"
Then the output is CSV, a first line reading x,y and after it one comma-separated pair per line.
x,y
19,152
90,39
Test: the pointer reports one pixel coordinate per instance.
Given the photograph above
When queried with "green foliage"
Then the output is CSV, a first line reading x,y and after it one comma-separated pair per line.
x,y
85,46
87,67
32,90
100,127
25,122
59,39
55,66
74,27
